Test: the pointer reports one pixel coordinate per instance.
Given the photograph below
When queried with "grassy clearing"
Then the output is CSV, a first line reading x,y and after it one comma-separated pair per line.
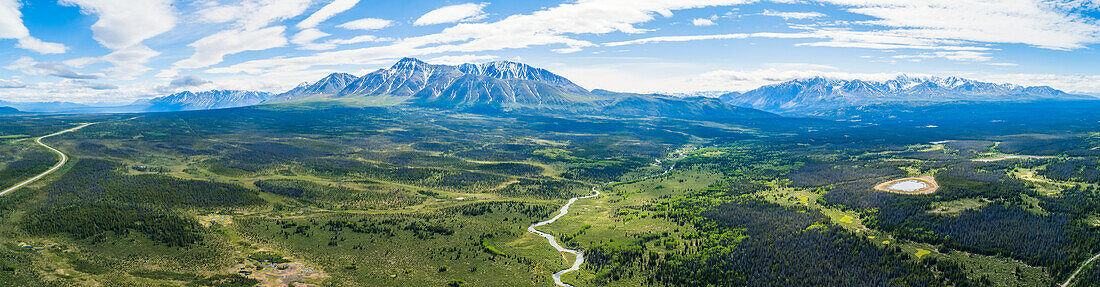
x,y
955,207
1000,271
613,217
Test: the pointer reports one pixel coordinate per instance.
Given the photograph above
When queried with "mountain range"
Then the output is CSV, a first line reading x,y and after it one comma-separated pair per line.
x,y
503,86
493,84
214,99
812,96
510,86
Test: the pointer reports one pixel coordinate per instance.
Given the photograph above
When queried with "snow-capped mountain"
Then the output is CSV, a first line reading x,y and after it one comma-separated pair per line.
x,y
503,85
404,79
215,99
506,70
807,96
329,85
492,83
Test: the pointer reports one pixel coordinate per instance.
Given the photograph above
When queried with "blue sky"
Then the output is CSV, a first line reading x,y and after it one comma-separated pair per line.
x,y
121,50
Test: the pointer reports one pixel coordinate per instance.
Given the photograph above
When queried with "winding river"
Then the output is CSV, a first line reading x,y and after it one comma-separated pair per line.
x,y
564,210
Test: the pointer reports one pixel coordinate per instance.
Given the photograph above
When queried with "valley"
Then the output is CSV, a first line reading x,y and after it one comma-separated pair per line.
x,y
567,143
502,174
419,196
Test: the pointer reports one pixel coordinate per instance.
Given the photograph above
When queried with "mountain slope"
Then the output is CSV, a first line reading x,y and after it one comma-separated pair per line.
x,y
467,85
215,99
406,78
329,85
9,111
510,86
814,95
516,71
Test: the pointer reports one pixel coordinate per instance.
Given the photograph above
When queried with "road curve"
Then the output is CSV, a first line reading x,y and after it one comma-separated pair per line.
x,y
564,210
1086,263
64,159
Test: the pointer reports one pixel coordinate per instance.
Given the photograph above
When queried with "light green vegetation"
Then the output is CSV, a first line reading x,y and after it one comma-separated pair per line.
x,y
1000,271
416,197
957,206
615,217
356,197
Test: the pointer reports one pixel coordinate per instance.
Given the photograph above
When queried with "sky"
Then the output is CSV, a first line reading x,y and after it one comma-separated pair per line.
x,y
118,51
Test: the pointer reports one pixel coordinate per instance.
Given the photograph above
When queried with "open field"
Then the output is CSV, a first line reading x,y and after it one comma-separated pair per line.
x,y
1010,156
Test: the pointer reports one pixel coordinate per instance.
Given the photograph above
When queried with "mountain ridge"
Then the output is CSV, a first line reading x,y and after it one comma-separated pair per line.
x,y
808,96
205,100
9,111
506,85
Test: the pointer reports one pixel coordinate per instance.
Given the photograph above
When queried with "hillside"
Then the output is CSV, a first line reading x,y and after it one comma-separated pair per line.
x,y
9,111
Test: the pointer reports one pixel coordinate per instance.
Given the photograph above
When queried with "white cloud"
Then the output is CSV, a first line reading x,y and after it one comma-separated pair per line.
x,y
703,22
130,61
793,15
885,46
567,50
11,20
308,36
357,40
127,62
461,59
251,33
550,26
11,27
366,24
336,7
188,81
184,83
34,44
212,49
91,85
221,14
661,39
254,14
28,65
452,14
835,38
11,84
305,40
123,24
967,56
1043,24
81,62
79,91
956,25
